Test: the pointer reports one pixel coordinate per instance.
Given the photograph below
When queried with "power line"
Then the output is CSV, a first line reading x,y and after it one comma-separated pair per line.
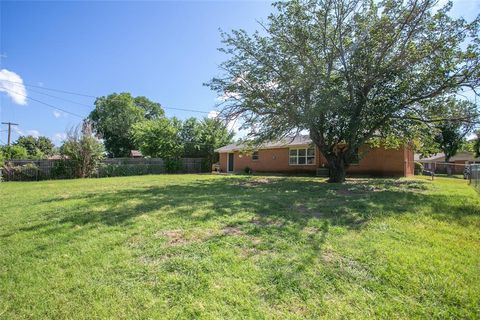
x,y
46,104
63,99
51,89
90,96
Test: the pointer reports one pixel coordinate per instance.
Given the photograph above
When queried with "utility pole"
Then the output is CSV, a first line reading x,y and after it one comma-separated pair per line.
x,y
10,124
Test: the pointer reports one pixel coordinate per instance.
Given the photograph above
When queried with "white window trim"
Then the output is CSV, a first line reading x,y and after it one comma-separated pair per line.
x,y
258,156
306,156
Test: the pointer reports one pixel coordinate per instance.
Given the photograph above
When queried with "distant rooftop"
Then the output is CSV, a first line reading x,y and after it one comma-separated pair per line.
x,y
135,154
440,157
299,140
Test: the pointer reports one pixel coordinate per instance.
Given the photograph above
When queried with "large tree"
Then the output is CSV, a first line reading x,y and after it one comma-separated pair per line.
x,y
114,116
346,71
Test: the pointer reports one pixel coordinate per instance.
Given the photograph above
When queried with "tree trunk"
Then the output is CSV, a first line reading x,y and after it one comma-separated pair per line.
x,y
449,167
337,169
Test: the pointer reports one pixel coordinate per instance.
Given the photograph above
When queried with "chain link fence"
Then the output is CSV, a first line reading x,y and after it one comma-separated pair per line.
x,y
475,176
34,170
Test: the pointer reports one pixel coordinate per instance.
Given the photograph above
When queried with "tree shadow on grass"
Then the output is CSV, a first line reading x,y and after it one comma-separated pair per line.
x,y
282,214
275,201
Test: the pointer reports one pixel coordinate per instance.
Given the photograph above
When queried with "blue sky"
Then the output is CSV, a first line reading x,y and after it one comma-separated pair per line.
x,y
162,50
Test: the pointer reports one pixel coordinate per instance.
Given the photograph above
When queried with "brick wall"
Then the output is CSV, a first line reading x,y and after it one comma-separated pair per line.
x,y
375,161
384,162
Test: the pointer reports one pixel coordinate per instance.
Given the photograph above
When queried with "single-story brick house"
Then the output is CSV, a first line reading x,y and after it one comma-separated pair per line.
x,y
299,155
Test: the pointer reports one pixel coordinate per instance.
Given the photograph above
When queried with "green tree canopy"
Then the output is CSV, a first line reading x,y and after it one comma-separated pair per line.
x,y
191,137
450,121
172,138
476,144
37,147
214,134
14,152
114,116
346,71
461,119
159,138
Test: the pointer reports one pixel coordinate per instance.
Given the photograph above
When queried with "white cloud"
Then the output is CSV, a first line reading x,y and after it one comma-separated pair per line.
x,y
232,125
34,133
229,95
20,132
57,114
59,137
213,114
12,84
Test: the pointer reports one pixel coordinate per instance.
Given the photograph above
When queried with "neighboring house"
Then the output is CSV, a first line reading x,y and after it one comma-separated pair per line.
x,y
299,155
135,154
55,157
436,163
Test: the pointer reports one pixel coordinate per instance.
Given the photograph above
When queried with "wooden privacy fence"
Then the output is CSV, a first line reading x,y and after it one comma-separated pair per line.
x,y
31,170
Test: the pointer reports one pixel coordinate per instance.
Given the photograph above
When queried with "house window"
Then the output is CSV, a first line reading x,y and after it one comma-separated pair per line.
x,y
302,156
255,155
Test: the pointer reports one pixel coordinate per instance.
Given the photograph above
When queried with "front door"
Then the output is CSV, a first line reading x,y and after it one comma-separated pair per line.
x,y
230,162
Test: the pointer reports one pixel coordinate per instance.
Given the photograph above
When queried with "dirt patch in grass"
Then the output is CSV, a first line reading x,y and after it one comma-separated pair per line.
x,y
346,265
152,261
174,237
258,182
232,231
267,222
304,210
180,237
311,230
357,186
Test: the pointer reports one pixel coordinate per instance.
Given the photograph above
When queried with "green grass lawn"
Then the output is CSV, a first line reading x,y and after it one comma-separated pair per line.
x,y
202,246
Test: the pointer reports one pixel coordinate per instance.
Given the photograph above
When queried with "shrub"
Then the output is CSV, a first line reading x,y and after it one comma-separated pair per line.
x,y
248,170
24,172
121,170
85,151
63,169
173,165
418,168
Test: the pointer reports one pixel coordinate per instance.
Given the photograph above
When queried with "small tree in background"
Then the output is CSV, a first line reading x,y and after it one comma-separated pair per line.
x,y
82,150
191,137
201,138
14,152
476,145
159,138
458,118
37,147
215,134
